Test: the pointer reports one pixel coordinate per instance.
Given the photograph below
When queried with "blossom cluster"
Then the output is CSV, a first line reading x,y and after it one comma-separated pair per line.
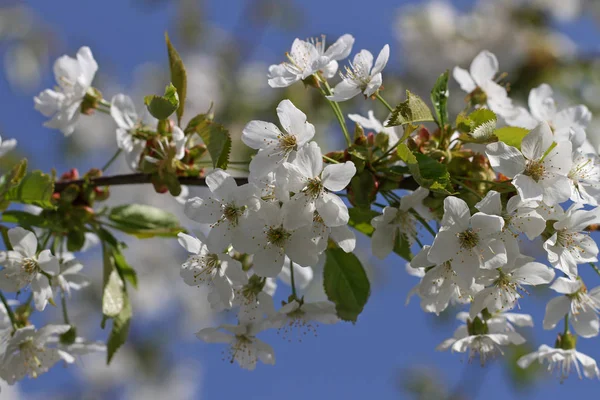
x,y
513,191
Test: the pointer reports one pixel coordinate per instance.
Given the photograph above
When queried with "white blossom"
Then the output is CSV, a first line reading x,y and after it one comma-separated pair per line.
x,y
308,57
274,146
74,77
312,184
562,361
361,76
539,172
24,267
7,146
584,178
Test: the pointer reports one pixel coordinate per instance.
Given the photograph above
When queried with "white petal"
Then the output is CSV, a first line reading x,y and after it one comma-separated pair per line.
x,y
123,111
294,122
23,241
337,176
345,90
541,103
484,67
491,203
464,79
456,215
260,134
536,142
556,309
505,159
586,323
528,189
268,262
190,243
381,61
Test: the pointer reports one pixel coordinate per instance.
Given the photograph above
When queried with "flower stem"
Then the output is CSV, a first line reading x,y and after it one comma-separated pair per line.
x,y
566,324
424,223
331,160
456,181
112,159
595,268
292,279
385,103
326,91
63,301
9,311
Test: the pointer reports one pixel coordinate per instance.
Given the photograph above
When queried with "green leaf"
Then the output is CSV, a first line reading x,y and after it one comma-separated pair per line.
x,y
36,188
178,76
511,135
405,154
481,116
120,330
439,99
413,109
360,219
113,297
346,283
24,218
429,173
402,247
75,240
161,107
144,221
363,190
216,138
125,270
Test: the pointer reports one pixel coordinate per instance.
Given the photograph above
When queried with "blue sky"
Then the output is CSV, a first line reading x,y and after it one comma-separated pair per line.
x,y
344,361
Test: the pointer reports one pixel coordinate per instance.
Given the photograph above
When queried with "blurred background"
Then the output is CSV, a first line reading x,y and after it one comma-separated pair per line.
x,y
227,47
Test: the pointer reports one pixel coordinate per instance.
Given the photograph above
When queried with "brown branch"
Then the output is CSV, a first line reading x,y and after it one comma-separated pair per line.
x,y
131,179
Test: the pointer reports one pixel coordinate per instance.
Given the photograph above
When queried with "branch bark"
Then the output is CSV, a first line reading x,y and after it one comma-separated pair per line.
x,y
131,179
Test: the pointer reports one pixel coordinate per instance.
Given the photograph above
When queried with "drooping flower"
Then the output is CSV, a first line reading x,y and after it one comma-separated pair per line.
x,y
6,146
312,185
227,206
309,57
398,221
23,267
562,361
275,146
74,77
69,277
479,83
539,172
481,338
361,76
303,317
467,241
568,124
569,245
581,306
31,353
245,348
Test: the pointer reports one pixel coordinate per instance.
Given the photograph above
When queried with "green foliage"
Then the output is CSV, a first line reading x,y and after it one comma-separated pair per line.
x,y
144,221
161,107
360,219
511,135
413,109
481,116
178,76
439,99
216,138
362,189
427,172
346,283
36,189
120,330
24,219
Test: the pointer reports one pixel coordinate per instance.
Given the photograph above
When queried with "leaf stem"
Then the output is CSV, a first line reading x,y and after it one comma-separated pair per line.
x,y
292,279
566,324
424,223
63,301
595,268
331,160
467,188
382,100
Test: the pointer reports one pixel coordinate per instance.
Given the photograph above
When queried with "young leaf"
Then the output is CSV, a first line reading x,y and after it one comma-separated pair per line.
x,y
511,135
430,174
360,219
178,76
113,297
36,188
161,107
413,109
120,330
216,138
439,99
346,283
144,221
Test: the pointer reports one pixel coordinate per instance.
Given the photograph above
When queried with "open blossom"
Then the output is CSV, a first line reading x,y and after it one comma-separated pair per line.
x,y
361,76
439,285
504,285
519,217
562,361
31,353
570,245
308,57
482,338
264,235
168,149
74,77
303,317
538,172
584,178
123,112
581,306
227,206
341,235
479,82
245,348
275,146
69,277
371,123
467,241
312,185
398,221
23,267
568,124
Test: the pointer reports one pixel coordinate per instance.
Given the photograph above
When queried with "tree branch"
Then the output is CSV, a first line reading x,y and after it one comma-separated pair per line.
x,y
131,179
